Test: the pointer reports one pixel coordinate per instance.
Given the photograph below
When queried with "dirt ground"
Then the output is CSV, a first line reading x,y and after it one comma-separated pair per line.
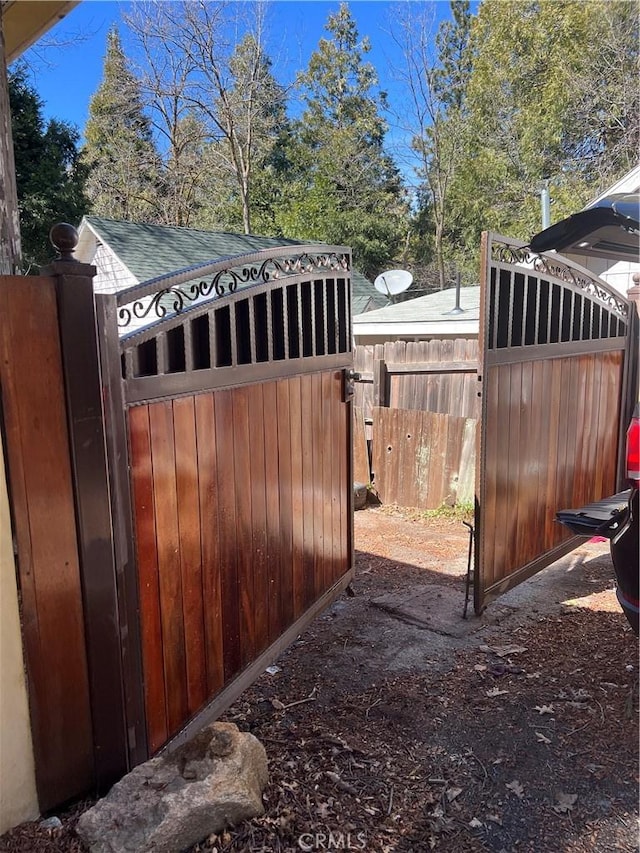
x,y
391,732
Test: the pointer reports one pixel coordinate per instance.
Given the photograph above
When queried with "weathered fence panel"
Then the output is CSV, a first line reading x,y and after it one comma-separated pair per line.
x,y
418,458
431,376
438,376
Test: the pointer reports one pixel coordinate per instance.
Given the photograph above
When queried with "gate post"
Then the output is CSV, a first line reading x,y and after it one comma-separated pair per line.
x,y
83,386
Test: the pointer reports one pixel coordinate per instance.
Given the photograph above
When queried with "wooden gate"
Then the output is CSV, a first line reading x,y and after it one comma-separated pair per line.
x,y
229,433
557,353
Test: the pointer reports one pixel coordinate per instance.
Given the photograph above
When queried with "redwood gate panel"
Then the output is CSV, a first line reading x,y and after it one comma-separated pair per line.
x,y
555,378
238,418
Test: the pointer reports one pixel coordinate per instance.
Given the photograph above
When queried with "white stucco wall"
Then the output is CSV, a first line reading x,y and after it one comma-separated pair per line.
x,y
18,799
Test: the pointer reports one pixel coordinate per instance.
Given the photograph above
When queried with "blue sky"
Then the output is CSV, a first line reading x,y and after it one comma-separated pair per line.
x,y
66,76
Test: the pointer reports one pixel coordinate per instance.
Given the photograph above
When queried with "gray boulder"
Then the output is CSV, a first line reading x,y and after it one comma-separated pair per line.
x,y
174,801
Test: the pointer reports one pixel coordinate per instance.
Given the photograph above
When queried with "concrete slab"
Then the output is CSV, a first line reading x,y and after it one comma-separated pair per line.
x,y
436,608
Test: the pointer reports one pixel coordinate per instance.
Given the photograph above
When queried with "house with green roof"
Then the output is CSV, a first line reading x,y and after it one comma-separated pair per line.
x,y
128,253
435,316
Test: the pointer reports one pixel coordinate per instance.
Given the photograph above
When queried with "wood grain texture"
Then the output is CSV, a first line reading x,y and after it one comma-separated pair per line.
x,y
418,455
446,392
326,480
286,504
243,533
148,576
230,593
297,507
550,444
259,534
240,497
361,472
318,443
337,450
210,540
187,494
308,515
39,473
169,570
274,549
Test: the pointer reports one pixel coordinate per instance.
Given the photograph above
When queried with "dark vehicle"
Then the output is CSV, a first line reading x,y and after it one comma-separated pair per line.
x,y
611,230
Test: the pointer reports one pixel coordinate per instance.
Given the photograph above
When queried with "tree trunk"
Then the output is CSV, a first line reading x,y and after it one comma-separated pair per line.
x,y
246,210
10,250
440,252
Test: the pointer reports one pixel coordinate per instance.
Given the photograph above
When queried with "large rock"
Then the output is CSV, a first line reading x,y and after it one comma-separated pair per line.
x,y
174,801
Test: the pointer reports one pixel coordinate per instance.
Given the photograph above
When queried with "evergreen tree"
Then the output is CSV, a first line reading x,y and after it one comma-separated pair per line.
x,y
49,176
344,188
124,166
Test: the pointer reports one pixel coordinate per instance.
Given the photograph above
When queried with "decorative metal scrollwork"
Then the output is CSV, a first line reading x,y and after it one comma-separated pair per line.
x,y
175,299
510,253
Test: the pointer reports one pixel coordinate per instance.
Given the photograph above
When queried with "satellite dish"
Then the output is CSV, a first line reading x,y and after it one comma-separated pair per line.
x,y
393,282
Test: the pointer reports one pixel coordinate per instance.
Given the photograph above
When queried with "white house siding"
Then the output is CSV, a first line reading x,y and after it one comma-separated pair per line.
x,y
618,275
18,799
112,275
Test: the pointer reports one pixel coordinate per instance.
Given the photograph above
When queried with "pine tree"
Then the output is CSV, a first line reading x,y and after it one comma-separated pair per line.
x,y
49,175
345,189
124,166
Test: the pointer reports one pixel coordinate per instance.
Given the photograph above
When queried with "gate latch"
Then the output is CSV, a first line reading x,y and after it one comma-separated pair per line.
x,y
350,378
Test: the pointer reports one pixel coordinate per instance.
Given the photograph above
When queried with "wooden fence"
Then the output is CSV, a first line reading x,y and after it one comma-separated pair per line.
x,y
416,409
430,376
181,492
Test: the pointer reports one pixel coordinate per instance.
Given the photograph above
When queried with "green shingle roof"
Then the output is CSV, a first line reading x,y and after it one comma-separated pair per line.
x,y
152,250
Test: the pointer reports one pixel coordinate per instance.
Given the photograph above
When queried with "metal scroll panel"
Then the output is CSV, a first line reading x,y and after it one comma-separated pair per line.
x,y
554,349
234,321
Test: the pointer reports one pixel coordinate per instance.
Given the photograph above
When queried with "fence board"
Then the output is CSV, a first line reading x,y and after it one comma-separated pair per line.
x,y
361,472
336,451
318,510
208,499
259,536
408,389
273,505
308,515
168,543
190,551
38,467
297,486
148,578
232,655
243,511
286,504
